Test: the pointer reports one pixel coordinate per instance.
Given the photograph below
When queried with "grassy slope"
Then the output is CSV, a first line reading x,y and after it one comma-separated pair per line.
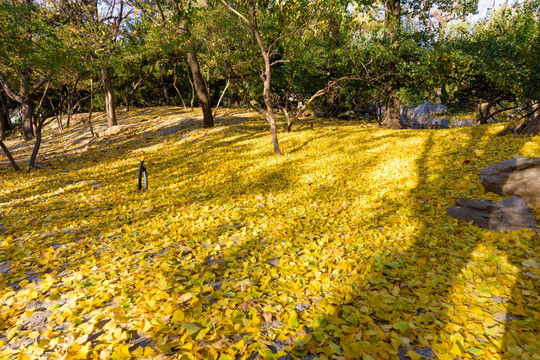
x,y
341,247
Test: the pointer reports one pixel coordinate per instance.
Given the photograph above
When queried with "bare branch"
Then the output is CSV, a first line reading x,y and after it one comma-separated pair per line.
x,y
279,38
39,83
9,92
236,12
279,61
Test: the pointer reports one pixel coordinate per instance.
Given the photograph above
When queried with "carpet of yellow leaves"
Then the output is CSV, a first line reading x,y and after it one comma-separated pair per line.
x,y
340,249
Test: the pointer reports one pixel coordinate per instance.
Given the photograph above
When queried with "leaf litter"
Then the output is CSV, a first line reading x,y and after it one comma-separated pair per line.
x,y
339,249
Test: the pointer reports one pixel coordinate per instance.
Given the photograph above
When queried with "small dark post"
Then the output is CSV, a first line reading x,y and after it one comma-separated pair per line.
x,y
142,173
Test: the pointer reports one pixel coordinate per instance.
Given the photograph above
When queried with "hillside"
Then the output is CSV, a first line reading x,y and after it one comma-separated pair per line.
x,y
340,248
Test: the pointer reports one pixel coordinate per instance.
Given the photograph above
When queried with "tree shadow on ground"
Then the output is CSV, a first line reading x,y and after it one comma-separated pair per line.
x,y
419,299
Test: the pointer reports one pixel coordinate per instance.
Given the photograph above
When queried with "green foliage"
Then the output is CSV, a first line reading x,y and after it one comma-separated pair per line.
x,y
499,55
31,45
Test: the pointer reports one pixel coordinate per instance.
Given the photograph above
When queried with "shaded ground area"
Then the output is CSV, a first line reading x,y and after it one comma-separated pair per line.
x,y
338,249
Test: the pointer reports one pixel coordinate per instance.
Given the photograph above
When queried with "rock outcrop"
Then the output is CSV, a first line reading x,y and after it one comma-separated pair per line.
x,y
422,113
457,123
515,177
509,214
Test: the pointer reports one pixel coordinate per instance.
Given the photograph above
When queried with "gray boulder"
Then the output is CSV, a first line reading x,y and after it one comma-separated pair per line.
x,y
457,123
438,123
422,113
514,177
509,214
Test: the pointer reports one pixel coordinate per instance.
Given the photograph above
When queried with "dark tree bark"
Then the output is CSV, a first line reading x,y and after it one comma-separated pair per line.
x,y
3,124
234,99
164,85
26,100
27,115
200,88
37,144
10,158
198,80
109,97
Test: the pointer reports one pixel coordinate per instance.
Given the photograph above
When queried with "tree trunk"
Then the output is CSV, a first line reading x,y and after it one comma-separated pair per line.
x,y
164,85
109,97
267,80
221,98
3,124
192,91
202,91
332,107
392,116
178,91
234,99
10,158
27,114
37,144
91,108
69,113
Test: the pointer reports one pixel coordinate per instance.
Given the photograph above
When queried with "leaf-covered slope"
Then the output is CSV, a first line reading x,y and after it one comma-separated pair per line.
x,y
340,248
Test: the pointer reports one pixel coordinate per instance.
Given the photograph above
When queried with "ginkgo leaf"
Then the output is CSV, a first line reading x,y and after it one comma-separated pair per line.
x,y
193,328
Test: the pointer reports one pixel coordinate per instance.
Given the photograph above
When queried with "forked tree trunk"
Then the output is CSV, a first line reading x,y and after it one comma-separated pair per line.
x,y
27,114
267,83
200,88
109,97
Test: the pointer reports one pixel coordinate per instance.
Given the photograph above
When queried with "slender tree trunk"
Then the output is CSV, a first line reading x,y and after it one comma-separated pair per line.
x,y
10,158
33,157
202,91
3,124
91,107
178,91
109,97
164,85
60,105
27,114
220,98
192,91
69,113
392,116
267,80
